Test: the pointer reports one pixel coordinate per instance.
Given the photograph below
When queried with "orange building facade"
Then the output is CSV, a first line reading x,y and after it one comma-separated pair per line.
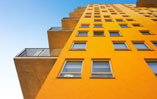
x,y
104,51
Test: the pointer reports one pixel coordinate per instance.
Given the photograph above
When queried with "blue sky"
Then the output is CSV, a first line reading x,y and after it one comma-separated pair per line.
x,y
23,24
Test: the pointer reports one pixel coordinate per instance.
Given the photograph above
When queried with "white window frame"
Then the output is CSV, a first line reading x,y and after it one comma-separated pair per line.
x,y
102,72
151,60
119,42
82,32
148,48
124,25
78,42
115,32
99,35
61,72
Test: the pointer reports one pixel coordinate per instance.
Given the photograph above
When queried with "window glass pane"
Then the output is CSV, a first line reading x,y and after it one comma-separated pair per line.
x,y
120,46
101,66
98,33
153,65
97,20
140,46
108,20
145,33
97,26
102,75
70,75
72,66
84,26
114,34
155,44
79,46
123,26
119,20
82,34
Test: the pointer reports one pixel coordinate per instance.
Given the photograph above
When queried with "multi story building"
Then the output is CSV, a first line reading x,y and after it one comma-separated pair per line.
x,y
102,51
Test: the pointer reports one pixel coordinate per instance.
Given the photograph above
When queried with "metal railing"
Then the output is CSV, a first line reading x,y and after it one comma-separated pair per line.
x,y
39,52
68,18
59,29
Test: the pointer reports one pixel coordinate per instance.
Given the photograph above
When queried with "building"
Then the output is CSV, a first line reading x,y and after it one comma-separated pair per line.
x,y
102,51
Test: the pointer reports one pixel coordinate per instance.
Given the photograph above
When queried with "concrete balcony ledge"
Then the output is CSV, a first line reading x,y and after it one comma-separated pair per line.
x,y
40,52
60,29
68,18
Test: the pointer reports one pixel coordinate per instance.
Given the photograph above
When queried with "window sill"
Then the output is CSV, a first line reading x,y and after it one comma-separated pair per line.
x,y
122,49
77,49
145,50
69,77
81,36
102,77
98,35
117,36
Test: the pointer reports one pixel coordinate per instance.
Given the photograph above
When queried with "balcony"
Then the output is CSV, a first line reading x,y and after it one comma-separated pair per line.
x,y
39,52
70,23
68,18
59,29
58,36
75,14
33,66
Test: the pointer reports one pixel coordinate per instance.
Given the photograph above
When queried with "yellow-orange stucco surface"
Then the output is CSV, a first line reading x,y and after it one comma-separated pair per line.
x,y
133,78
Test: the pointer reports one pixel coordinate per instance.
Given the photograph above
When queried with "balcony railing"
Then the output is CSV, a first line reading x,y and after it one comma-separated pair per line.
x,y
68,18
59,29
39,52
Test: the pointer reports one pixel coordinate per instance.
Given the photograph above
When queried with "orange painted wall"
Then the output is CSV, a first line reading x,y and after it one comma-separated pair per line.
x,y
133,77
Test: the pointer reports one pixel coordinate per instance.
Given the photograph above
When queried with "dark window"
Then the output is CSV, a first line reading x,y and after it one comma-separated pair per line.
x,y
97,26
114,34
119,20
98,33
82,34
124,26
136,25
145,32
85,26
108,20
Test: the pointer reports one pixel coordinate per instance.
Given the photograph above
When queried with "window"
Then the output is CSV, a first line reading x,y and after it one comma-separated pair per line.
x,y
101,69
96,13
154,19
147,15
85,26
141,46
108,20
121,13
104,11
97,26
83,33
87,16
98,33
123,25
79,46
136,25
114,33
97,16
155,43
120,46
106,16
125,16
145,32
97,20
119,20
153,65
71,69
113,13
88,13
130,19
